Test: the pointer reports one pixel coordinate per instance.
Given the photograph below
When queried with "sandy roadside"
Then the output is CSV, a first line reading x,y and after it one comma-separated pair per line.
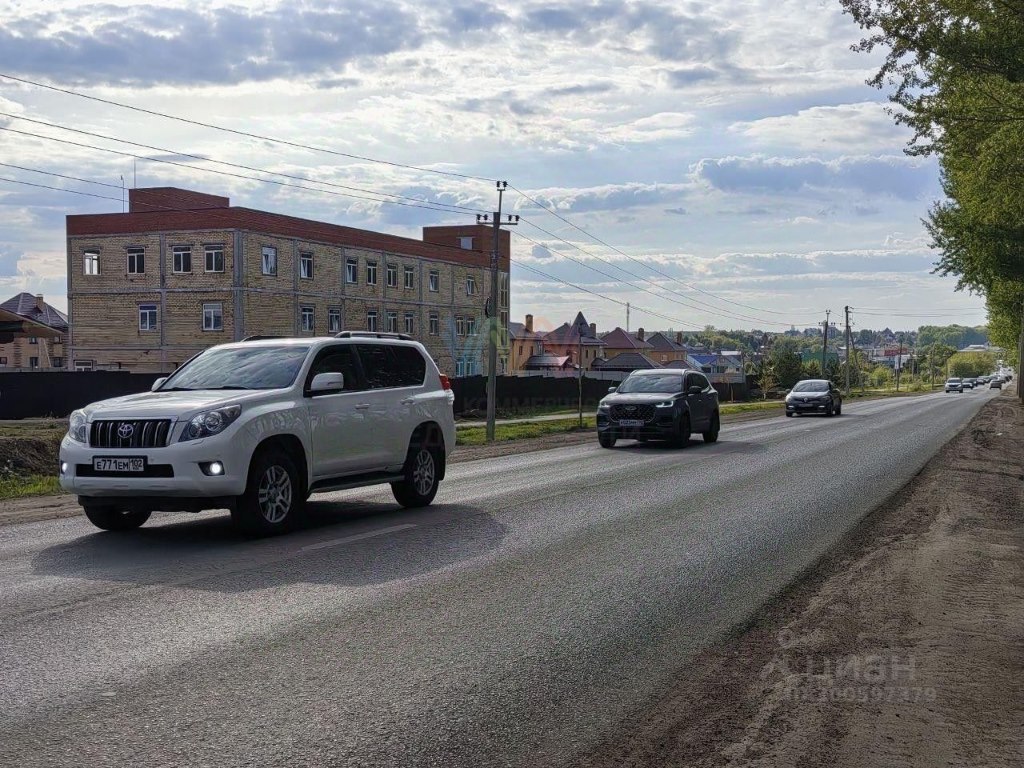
x,y
904,647
37,508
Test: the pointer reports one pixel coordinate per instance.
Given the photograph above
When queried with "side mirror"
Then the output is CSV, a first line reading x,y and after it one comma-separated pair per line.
x,y
327,382
158,383
612,389
696,389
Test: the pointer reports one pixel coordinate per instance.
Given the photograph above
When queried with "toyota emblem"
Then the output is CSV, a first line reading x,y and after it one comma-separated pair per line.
x,y
125,431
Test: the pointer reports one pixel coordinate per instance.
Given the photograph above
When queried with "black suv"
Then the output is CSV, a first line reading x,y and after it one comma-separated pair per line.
x,y
814,396
659,404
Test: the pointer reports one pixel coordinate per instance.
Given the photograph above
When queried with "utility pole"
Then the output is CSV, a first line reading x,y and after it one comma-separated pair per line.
x,y
824,341
494,311
899,364
848,344
627,317
579,372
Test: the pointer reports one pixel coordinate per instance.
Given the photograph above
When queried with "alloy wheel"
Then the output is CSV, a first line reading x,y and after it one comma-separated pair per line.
x,y
275,494
423,472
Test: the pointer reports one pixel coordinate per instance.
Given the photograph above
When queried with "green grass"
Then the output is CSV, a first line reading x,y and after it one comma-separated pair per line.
x,y
14,487
34,428
521,431
760,405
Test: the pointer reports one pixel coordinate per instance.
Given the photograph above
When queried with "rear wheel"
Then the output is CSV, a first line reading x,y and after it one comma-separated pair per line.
x,y
110,519
606,439
423,467
274,495
711,436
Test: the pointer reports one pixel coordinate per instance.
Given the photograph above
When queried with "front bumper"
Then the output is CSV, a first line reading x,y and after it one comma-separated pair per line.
x,y
661,427
811,406
171,471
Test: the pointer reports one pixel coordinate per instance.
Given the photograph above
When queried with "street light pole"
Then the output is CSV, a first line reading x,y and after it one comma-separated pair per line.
x,y
494,311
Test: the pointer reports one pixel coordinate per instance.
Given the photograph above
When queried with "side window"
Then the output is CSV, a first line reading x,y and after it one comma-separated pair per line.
x,y
338,359
392,366
701,381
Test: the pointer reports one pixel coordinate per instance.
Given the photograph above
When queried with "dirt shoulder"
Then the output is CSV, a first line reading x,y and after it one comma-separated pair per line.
x,y
905,646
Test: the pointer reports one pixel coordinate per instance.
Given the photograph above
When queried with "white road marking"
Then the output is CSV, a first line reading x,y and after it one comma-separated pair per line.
x,y
357,537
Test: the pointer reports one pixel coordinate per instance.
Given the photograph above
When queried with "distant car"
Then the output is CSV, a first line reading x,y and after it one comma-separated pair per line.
x,y
954,385
814,396
967,383
984,379
659,404
996,383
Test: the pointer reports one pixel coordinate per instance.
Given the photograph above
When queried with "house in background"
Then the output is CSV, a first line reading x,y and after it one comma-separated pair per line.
x,y
577,340
665,350
42,352
619,342
524,343
627,362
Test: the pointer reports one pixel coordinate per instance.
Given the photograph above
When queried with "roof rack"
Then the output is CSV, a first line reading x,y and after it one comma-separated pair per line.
x,y
261,337
372,335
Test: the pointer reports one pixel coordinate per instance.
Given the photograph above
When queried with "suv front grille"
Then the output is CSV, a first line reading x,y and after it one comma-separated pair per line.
x,y
138,433
644,412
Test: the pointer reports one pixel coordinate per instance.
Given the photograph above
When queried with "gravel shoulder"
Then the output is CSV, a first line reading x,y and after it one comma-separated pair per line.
x,y
904,646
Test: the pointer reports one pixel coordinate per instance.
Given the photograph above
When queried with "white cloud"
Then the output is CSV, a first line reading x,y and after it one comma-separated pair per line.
x,y
861,127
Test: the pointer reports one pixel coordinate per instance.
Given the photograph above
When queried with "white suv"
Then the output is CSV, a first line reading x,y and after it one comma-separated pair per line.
x,y
258,425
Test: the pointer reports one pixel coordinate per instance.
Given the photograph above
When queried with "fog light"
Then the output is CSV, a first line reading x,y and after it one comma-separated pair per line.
x,y
212,468
63,467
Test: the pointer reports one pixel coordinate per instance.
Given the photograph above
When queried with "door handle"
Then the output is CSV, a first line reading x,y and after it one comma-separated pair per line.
x,y
362,406
409,401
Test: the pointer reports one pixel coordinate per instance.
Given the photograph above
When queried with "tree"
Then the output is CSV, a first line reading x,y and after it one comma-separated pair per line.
x,y
971,364
765,378
881,377
812,370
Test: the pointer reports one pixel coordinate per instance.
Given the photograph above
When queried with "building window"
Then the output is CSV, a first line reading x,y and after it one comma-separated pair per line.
x,y
92,262
182,258
33,340
392,322
435,324
471,326
466,243
460,368
58,339
503,291
147,317
213,317
333,320
269,260
470,285
435,279
371,273
371,321
58,362
352,271
471,367
136,261
460,325
306,266
503,319
392,275
410,326
410,278
3,361
306,317
84,365
33,362
214,258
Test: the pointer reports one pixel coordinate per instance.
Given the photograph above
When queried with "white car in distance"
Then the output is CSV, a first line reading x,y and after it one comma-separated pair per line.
x,y
257,426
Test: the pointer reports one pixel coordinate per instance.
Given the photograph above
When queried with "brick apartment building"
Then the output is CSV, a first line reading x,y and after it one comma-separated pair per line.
x,y
33,352
184,270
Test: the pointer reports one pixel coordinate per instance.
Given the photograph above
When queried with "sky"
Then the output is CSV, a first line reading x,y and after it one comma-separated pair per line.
x,y
709,163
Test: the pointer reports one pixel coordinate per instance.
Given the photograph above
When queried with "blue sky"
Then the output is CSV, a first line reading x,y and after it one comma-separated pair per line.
x,y
732,146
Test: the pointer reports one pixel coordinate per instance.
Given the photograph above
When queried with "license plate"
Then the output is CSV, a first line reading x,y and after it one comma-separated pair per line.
x,y
118,464
631,422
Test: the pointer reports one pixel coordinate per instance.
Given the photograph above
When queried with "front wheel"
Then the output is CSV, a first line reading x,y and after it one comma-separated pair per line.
x,y
110,519
682,437
829,411
711,436
789,414
606,439
422,477
273,498
839,410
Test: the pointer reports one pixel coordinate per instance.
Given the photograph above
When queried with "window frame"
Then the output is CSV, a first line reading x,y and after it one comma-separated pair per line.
x,y
91,256
409,322
434,281
212,250
219,312
371,314
471,329
391,322
391,275
460,325
470,285
352,271
134,257
268,250
181,250
371,272
307,310
333,313
154,312
410,278
434,324
304,258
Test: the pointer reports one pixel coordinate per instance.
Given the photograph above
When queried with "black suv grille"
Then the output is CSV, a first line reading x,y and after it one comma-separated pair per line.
x,y
149,433
644,412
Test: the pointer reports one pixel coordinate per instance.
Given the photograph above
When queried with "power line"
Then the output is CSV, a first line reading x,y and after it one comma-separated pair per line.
x,y
631,258
246,134
229,164
61,176
425,206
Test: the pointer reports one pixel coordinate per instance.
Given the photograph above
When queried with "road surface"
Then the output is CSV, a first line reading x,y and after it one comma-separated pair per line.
x,y
543,599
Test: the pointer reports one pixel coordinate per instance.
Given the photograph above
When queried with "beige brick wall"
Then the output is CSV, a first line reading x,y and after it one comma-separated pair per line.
x,y
19,353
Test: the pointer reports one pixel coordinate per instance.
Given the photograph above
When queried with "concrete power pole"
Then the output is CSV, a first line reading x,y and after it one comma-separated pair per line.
x,y
849,342
494,311
899,364
824,341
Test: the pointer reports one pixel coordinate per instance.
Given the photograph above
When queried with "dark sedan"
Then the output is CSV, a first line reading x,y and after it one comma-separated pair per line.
x,y
659,405
814,396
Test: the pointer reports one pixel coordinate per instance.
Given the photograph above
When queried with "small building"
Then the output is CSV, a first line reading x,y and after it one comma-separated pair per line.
x,y
577,340
32,334
524,343
619,342
546,362
627,362
666,350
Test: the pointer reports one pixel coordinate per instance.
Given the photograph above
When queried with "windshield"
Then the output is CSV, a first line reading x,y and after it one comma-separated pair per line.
x,y
954,381
811,386
668,382
240,368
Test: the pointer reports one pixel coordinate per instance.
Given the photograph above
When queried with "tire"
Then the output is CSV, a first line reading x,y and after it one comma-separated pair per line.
x,y
839,410
110,519
711,436
789,414
682,438
829,411
274,495
606,439
424,465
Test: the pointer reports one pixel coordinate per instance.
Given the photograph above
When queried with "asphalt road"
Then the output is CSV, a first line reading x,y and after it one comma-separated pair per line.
x,y
542,601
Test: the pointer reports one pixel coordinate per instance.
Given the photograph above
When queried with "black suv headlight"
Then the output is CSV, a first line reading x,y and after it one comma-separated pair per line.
x,y
209,423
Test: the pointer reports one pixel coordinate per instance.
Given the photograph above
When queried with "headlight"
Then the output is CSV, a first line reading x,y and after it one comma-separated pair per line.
x,y
210,423
666,404
78,427
603,407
